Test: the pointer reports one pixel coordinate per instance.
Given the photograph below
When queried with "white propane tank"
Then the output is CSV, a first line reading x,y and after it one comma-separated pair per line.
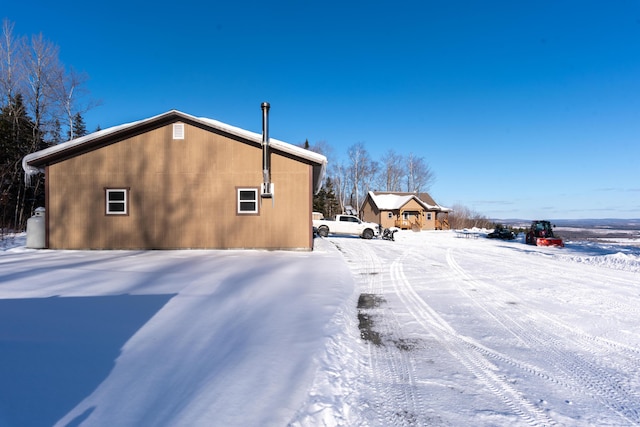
x,y
36,230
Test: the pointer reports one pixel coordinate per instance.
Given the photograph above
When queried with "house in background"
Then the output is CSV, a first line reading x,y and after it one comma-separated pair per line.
x,y
416,211
175,181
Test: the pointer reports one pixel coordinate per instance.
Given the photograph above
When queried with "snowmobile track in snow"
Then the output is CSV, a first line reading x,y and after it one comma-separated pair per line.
x,y
463,349
574,372
545,344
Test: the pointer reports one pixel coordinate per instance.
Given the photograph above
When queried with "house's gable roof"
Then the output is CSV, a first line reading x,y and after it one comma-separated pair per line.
x,y
389,201
34,163
426,197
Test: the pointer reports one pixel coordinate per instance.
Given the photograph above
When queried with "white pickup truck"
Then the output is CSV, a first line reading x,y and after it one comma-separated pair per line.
x,y
346,224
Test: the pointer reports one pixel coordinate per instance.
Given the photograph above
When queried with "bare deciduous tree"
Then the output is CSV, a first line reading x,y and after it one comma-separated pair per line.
x,y
419,175
41,68
320,147
462,217
66,88
52,94
391,172
69,90
36,96
362,172
339,174
8,54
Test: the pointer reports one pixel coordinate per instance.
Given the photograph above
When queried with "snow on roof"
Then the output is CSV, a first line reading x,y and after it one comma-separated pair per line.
x,y
257,137
389,202
285,147
59,148
392,201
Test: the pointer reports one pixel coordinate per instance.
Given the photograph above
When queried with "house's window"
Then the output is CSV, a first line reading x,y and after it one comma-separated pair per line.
x,y
178,131
428,216
390,215
117,201
247,200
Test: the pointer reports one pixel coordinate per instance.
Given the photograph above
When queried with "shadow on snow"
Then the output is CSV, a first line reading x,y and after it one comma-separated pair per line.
x,y
55,351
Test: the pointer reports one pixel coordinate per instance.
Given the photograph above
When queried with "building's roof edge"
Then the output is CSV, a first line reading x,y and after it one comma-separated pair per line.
x,y
33,163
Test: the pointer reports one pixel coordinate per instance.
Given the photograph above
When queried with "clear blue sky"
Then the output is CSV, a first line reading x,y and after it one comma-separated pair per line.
x,y
522,109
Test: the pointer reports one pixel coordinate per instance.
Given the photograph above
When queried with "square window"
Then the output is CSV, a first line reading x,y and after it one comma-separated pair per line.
x,y
390,215
247,200
117,202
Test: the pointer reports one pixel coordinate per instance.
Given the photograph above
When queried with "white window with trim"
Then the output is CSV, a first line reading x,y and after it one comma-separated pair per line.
x,y
428,216
247,198
116,201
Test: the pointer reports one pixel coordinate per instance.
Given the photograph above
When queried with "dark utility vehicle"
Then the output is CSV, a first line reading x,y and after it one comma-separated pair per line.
x,y
502,233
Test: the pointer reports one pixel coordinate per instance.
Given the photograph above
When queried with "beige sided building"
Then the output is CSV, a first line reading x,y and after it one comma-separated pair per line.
x,y
175,181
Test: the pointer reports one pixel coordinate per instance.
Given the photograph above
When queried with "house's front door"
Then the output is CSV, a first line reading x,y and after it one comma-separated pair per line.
x,y
411,220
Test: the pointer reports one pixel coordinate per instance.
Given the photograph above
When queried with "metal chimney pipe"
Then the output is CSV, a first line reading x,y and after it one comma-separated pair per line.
x,y
265,122
265,145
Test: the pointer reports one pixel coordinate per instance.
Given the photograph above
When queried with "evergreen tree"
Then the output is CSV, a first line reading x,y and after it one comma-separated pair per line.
x,y
326,200
319,201
332,202
78,129
56,133
16,141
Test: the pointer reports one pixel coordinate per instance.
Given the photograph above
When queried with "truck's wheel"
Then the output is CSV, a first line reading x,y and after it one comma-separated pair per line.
x,y
323,231
367,234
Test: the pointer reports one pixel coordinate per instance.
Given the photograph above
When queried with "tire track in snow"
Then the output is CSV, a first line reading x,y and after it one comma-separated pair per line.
x,y
391,372
574,371
464,349
622,309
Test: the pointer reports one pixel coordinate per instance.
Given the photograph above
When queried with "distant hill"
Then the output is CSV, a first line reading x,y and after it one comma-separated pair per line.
x,y
587,229
611,223
600,223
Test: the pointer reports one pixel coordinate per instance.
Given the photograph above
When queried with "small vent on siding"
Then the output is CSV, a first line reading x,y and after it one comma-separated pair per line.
x,y
178,131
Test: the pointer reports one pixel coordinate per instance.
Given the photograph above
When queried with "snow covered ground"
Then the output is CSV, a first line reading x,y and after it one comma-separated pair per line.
x,y
427,330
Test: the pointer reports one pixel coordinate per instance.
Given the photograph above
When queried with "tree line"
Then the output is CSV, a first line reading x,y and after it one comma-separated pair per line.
x,y
347,182
462,217
41,104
